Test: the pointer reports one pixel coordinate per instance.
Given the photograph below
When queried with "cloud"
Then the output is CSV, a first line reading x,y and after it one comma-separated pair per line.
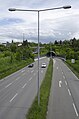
x,y
9,21
54,25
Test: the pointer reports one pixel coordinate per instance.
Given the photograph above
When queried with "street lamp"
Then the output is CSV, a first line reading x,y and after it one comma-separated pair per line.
x,y
38,11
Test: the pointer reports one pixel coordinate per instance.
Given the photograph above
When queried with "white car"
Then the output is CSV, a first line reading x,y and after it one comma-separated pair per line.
x,y
43,65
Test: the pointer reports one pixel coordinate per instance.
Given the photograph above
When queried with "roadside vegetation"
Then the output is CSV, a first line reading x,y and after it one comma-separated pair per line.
x,y
69,49
39,112
15,56
6,68
74,67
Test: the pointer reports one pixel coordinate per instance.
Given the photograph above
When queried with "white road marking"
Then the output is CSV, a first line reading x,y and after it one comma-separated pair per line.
x,y
2,79
64,77
32,71
66,83
60,83
42,71
24,85
75,110
72,73
17,78
22,71
30,79
57,67
13,97
8,85
69,92
62,72
54,61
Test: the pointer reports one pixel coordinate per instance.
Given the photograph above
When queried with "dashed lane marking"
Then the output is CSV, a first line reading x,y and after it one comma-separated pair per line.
x,y
13,97
8,85
66,83
24,85
69,92
60,83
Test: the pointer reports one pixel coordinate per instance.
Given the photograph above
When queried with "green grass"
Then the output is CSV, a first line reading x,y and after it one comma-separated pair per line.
x,y
6,67
39,112
74,67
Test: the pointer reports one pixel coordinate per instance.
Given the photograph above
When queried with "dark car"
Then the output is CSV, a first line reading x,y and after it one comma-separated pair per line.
x,y
30,65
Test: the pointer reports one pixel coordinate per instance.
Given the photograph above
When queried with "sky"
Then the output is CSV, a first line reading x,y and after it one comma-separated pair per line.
x,y
59,24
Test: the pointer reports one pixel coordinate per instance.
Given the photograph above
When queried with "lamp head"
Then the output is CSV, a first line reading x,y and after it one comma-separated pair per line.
x,y
67,7
12,9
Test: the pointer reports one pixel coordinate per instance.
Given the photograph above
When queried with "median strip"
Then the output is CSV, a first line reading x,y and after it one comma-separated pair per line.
x,y
39,111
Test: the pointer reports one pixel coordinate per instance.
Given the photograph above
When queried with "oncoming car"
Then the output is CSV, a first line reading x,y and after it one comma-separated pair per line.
x,y
43,65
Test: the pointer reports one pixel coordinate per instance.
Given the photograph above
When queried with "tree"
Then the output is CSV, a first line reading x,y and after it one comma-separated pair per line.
x,y
55,42
13,47
60,42
25,43
12,41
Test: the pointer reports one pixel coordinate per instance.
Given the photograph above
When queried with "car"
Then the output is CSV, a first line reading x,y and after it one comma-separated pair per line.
x,y
63,59
43,65
30,65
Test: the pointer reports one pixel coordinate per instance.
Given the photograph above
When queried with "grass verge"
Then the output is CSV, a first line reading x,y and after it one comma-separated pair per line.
x,y
7,68
39,112
74,67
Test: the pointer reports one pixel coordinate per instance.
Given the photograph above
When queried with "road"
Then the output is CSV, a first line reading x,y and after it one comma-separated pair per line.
x,y
18,91
64,96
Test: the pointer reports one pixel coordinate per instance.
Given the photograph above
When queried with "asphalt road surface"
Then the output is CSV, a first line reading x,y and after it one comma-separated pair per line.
x,y
64,96
18,91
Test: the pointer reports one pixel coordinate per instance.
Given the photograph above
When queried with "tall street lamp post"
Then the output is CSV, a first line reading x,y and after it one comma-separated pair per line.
x,y
38,11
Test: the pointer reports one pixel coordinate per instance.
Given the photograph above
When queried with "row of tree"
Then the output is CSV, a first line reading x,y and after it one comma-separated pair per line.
x,y
66,48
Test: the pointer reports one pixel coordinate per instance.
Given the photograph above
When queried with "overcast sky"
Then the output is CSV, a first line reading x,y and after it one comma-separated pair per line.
x,y
58,24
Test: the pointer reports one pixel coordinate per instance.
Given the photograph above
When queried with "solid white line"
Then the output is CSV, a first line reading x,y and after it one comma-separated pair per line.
x,y
66,83
72,73
54,61
13,97
69,92
24,85
75,110
2,79
22,71
8,85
